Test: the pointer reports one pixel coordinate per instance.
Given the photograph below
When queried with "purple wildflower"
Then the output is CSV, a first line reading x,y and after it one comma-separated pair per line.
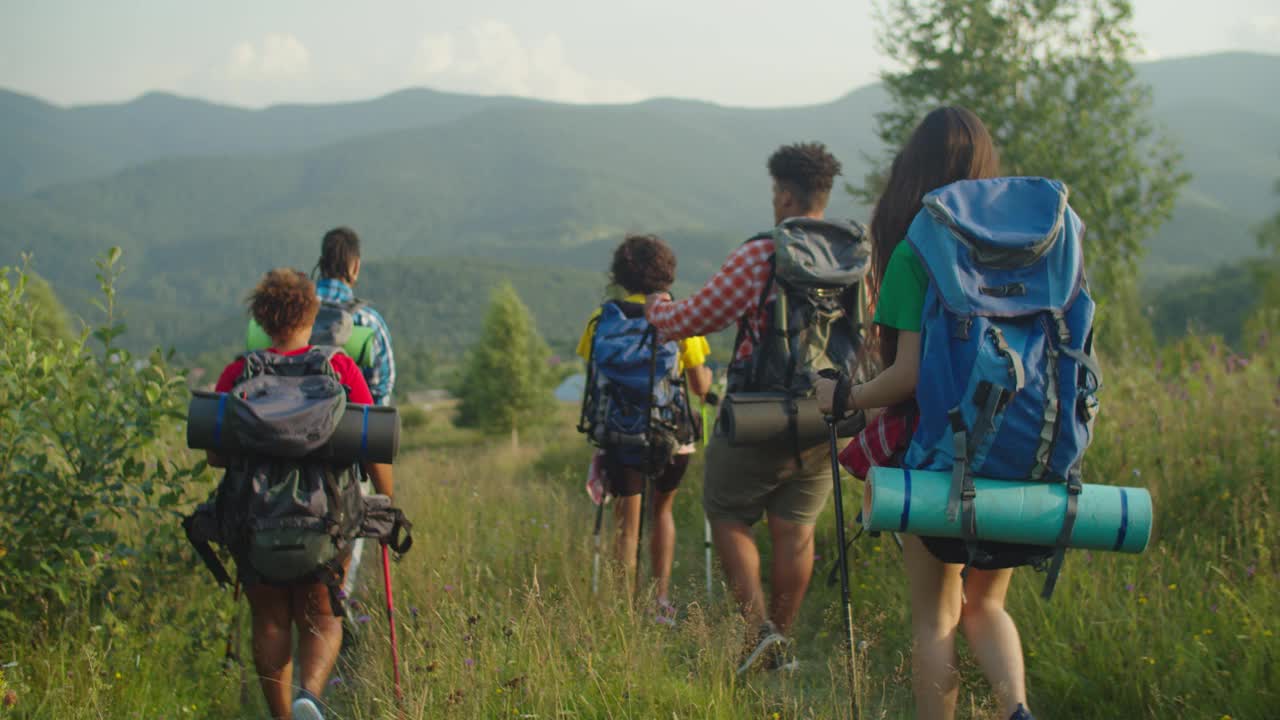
x,y
335,681
413,610
469,662
1249,571
448,588
1129,587
363,619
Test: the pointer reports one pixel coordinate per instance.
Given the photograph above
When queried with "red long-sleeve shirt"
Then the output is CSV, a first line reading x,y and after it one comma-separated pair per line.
x,y
732,293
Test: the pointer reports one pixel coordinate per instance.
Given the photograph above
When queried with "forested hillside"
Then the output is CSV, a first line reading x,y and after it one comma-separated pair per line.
x,y
203,198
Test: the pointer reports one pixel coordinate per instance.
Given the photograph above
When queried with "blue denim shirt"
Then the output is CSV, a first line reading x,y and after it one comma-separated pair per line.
x,y
382,375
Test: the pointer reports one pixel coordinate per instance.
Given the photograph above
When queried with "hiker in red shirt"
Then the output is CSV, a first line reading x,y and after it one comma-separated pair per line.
x,y
285,304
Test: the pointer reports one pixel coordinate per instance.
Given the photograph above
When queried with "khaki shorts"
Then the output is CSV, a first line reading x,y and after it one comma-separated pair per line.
x,y
744,483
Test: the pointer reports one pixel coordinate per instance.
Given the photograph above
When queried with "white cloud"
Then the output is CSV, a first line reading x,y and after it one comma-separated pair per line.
x,y
489,57
277,55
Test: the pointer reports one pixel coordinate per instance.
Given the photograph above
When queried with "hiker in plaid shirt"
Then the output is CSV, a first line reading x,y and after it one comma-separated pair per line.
x,y
339,266
744,484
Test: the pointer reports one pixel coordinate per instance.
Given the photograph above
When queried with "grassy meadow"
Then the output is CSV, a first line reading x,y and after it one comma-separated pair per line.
x,y
496,618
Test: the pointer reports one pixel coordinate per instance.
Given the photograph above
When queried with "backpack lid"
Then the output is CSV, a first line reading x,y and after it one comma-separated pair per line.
x,y
810,252
1000,247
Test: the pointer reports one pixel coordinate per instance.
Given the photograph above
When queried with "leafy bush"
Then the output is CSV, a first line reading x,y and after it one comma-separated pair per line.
x,y
90,484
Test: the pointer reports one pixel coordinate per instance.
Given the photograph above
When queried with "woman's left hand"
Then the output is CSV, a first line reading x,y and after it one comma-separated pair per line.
x,y
826,390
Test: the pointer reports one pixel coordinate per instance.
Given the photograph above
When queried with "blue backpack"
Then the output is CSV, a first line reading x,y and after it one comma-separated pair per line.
x,y
634,396
1008,378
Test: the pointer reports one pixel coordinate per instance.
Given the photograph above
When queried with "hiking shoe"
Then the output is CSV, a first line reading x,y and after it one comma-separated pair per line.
x,y
1021,713
767,637
666,613
781,659
307,707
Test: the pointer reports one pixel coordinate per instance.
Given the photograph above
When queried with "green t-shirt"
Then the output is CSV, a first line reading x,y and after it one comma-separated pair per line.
x,y
901,299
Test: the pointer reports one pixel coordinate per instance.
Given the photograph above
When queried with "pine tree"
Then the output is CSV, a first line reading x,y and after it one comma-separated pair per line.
x,y
506,384
1053,82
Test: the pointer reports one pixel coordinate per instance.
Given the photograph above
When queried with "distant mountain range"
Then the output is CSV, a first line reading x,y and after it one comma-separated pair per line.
x,y
204,197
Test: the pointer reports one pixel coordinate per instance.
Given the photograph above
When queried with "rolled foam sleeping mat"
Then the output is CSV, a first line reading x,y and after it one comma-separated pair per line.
x,y
1108,517
359,346
765,418
366,433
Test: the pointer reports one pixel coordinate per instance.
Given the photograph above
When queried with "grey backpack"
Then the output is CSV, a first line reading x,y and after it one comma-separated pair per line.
x,y
814,321
334,322
285,516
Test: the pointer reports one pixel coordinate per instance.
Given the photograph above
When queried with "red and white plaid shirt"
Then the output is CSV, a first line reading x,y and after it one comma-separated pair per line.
x,y
730,294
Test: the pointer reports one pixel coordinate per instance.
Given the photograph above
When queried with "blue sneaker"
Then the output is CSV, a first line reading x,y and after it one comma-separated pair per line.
x,y
1021,713
307,707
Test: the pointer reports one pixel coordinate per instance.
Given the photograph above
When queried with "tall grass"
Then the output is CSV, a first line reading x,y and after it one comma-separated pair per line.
x,y
496,617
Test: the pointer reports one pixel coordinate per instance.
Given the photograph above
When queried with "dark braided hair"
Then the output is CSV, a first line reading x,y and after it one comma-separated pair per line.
x,y
339,249
643,264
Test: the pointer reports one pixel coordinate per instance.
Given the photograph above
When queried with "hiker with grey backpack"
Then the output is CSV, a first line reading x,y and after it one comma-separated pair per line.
x,y
794,294
289,507
985,339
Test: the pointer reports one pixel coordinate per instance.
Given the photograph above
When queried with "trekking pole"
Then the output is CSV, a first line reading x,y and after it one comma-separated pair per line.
x,y
391,622
844,565
706,521
595,562
231,655
644,491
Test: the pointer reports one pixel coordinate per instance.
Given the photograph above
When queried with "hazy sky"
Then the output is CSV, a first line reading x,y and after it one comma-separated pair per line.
x,y
738,52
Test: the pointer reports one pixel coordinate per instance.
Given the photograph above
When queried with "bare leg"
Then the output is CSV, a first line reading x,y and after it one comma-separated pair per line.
x,y
792,567
319,636
993,637
935,614
740,558
273,646
662,541
626,514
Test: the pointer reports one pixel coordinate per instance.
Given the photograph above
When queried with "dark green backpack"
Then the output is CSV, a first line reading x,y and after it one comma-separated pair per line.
x,y
284,515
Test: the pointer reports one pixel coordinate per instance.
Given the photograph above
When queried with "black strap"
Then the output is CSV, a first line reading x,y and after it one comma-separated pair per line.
x,y
206,553
583,427
1074,488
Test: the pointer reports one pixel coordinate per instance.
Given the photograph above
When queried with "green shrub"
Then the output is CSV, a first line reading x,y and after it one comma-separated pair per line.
x,y
90,482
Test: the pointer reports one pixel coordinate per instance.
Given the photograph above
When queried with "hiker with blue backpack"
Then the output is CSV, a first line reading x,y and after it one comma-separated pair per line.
x,y
289,515
636,409
985,340
794,294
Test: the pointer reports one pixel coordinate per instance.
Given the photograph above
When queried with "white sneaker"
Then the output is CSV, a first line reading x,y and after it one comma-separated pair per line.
x,y
307,707
769,637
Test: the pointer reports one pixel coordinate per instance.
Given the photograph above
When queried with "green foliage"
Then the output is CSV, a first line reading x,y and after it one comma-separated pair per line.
x,y
507,382
89,486
1219,302
49,318
1053,82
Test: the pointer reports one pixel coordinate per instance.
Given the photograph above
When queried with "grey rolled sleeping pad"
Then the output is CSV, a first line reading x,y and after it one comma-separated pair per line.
x,y
765,419
366,433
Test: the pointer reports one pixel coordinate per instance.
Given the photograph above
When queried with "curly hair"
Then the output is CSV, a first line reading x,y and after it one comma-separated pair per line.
x,y
284,300
339,248
643,264
807,170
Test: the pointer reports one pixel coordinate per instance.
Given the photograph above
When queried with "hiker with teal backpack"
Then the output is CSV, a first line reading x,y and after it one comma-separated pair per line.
x,y
794,294
985,340
291,576
636,409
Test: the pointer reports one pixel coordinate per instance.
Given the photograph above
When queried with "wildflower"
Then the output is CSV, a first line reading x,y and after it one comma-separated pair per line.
x,y
1266,633
1148,660
469,662
1129,587
118,675
1142,599
1226,494
448,588
1173,586
335,681
413,610
1249,571
877,548
1208,631
816,557
363,619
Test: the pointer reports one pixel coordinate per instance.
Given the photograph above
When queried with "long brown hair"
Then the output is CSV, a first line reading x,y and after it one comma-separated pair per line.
x,y
950,144
339,250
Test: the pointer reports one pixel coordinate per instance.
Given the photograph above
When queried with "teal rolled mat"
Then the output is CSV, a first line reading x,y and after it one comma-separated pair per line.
x,y
915,501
